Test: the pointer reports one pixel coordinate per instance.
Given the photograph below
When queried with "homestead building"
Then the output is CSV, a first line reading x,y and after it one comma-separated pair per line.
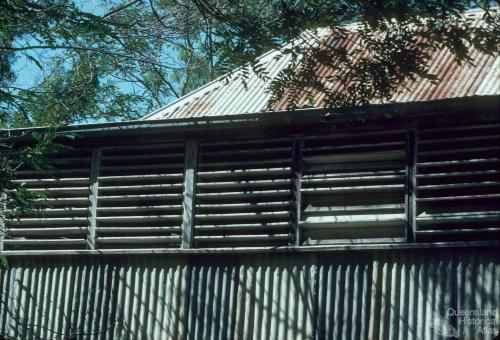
x,y
219,217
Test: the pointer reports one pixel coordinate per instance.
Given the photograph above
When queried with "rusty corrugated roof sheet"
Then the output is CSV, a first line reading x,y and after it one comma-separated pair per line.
x,y
229,96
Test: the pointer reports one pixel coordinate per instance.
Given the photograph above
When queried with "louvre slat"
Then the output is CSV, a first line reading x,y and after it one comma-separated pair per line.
x,y
355,167
156,167
30,232
53,181
354,189
72,201
250,153
277,227
355,157
243,184
134,178
461,232
245,173
148,147
245,225
467,128
328,180
68,212
459,162
45,242
138,230
360,209
146,240
149,157
242,207
267,216
355,221
476,216
458,154
481,138
370,232
243,238
311,150
243,194
236,206
66,172
129,198
244,215
141,188
47,221
458,198
242,143
139,219
374,135
345,241
137,209
69,160
351,174
83,191
243,164
458,174
488,184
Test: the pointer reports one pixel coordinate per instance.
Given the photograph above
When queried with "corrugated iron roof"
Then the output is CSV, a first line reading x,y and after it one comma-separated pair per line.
x,y
228,95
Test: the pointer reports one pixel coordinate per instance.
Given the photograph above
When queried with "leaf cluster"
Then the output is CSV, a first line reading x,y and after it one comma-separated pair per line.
x,y
372,48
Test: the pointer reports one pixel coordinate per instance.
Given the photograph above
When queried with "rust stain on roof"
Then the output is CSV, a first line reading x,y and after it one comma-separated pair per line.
x,y
222,97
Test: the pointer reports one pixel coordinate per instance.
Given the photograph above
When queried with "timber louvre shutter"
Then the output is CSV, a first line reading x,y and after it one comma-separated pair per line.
x,y
458,181
140,196
243,193
340,188
353,188
63,220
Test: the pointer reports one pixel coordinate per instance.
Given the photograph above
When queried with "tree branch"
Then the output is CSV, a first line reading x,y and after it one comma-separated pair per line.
x,y
80,48
120,8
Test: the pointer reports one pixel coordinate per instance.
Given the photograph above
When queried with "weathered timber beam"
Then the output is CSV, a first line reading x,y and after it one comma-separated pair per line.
x,y
3,208
189,195
93,198
411,185
296,201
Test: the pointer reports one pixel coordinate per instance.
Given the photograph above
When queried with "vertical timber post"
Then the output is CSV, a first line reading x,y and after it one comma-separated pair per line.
x,y
189,199
3,217
296,202
94,188
411,185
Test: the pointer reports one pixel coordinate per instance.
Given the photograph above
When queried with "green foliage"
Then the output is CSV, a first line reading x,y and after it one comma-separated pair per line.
x,y
125,58
116,61
28,30
4,262
76,95
394,40
19,155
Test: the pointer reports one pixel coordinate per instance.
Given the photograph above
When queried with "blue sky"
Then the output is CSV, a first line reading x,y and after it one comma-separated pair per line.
x,y
30,74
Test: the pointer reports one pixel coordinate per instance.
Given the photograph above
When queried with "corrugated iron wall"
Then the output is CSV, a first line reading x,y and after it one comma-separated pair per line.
x,y
396,294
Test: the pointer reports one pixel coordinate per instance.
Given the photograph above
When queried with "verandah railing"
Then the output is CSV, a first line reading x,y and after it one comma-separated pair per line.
x,y
399,185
